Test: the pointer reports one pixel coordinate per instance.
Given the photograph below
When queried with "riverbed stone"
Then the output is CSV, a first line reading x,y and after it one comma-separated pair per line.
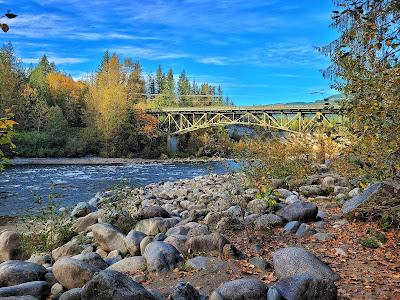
x,y
56,291
156,225
266,222
13,272
257,206
69,249
82,209
306,287
369,193
132,241
10,246
154,211
184,291
109,238
249,289
162,257
82,224
311,190
291,227
297,260
305,230
211,243
328,183
74,294
283,193
129,265
93,259
113,285
178,241
299,211
143,244
73,273
355,192
37,289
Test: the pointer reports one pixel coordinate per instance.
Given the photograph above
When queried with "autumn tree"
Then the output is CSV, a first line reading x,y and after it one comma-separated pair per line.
x,y
108,101
12,79
69,95
366,70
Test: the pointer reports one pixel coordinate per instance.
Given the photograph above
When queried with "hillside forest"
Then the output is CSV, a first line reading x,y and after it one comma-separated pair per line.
x,y
57,116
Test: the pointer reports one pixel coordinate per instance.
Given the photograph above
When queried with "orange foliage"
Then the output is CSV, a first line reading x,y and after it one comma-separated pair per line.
x,y
62,84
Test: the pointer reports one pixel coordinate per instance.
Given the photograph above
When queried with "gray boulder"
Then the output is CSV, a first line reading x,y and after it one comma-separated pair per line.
x,y
299,211
257,206
74,294
328,183
132,241
149,212
283,193
369,194
161,257
296,260
69,249
249,289
93,259
19,298
355,192
305,230
155,226
311,190
82,209
291,227
184,291
15,272
109,238
113,285
73,273
306,287
82,224
10,247
178,241
265,222
211,243
37,289
129,265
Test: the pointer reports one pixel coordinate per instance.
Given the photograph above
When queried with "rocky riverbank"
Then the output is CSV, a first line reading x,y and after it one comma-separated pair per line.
x,y
106,161
192,239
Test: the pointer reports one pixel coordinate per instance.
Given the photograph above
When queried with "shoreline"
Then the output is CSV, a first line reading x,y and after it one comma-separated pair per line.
x,y
108,161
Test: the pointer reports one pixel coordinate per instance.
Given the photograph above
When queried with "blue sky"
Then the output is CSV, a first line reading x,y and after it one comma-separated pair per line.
x,y
260,51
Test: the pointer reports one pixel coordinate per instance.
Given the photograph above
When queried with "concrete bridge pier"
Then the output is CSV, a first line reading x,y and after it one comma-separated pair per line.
x,y
173,143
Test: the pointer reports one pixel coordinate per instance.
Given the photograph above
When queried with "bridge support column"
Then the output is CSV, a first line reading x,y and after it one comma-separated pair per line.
x,y
173,143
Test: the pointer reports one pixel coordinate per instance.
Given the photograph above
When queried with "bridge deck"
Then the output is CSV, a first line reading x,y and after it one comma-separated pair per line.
x,y
253,109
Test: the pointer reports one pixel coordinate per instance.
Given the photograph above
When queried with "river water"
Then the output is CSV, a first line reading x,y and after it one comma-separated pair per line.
x,y
20,185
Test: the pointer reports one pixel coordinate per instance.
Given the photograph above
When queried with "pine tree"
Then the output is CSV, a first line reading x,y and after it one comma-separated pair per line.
x,y
151,85
159,80
184,89
104,62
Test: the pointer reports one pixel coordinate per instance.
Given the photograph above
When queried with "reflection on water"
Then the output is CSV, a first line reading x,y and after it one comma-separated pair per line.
x,y
75,183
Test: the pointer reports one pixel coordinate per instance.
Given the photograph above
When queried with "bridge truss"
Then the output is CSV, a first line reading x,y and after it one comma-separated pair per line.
x,y
295,119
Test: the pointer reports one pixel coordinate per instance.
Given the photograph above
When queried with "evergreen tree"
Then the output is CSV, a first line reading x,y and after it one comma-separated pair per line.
x,y
136,85
184,89
151,85
159,80
104,62
220,97
38,79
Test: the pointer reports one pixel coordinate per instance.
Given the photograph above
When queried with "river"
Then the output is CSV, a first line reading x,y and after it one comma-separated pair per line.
x,y
20,185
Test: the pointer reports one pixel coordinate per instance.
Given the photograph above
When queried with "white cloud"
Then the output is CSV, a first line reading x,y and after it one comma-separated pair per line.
x,y
57,60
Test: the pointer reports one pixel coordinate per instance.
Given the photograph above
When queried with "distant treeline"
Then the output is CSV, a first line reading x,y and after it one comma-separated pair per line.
x,y
102,115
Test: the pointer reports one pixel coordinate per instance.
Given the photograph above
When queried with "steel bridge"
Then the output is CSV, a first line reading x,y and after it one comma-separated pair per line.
x,y
290,118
